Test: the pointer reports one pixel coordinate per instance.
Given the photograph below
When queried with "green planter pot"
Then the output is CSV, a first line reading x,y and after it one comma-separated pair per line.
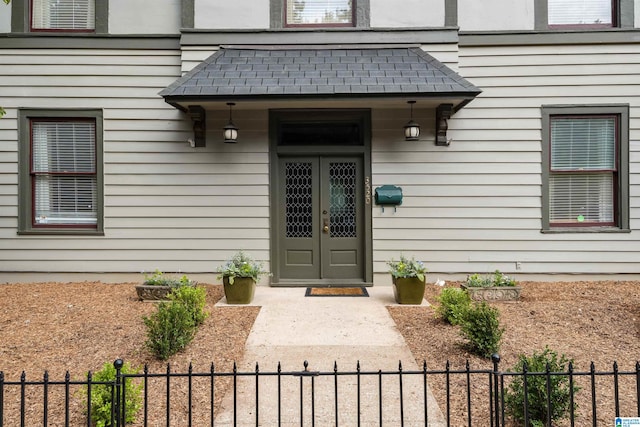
x,y
242,290
408,290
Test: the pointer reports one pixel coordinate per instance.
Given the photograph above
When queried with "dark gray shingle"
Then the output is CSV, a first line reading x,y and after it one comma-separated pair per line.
x,y
387,71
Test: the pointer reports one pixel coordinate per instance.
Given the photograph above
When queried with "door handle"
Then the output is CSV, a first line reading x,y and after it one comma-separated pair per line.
x,y
325,225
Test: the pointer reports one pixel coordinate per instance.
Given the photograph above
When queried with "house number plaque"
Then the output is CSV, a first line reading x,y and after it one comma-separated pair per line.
x,y
367,190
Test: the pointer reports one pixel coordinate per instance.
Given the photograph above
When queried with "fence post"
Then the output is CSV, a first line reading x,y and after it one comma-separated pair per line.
x,y
637,389
1,398
45,398
89,378
495,358
118,363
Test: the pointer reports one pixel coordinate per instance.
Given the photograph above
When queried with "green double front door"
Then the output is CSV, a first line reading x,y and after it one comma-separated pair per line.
x,y
321,227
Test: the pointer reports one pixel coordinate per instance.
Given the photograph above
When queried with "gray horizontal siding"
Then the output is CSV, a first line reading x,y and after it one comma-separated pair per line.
x,y
167,206
476,206
471,207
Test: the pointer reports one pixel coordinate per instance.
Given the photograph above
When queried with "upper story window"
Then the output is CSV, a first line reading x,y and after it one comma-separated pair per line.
x,y
319,13
63,15
582,13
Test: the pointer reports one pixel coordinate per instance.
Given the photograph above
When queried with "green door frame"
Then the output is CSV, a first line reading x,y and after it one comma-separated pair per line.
x,y
276,119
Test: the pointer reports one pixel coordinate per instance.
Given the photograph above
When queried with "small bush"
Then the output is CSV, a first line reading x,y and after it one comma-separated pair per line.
x,y
101,395
194,299
478,281
170,329
497,279
158,278
481,326
537,389
453,303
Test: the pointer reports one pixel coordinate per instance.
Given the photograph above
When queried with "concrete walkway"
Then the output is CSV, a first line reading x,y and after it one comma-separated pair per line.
x,y
324,331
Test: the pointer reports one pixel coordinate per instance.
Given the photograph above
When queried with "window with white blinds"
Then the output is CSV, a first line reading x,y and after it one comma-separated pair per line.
x,y
583,170
319,12
63,170
581,12
63,15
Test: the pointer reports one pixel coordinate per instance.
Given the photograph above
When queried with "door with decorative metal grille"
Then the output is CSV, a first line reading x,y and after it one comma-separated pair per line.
x,y
321,219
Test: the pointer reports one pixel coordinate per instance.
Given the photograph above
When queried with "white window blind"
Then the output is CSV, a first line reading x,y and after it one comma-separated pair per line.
x,y
583,165
583,143
64,173
581,198
301,12
63,14
580,12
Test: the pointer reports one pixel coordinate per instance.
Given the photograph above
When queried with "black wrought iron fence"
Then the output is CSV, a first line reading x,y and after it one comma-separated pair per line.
x,y
472,397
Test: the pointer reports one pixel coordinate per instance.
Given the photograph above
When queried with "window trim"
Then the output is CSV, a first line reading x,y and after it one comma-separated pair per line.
x,y
621,190
21,20
25,190
623,11
360,10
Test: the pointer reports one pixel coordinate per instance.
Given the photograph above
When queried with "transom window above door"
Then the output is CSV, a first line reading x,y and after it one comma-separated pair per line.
x,y
582,13
319,13
63,15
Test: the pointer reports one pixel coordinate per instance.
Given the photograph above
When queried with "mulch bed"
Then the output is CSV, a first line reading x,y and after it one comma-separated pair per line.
x,y
595,322
76,327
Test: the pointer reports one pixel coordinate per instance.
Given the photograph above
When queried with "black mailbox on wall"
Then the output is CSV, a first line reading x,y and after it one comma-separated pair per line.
x,y
388,195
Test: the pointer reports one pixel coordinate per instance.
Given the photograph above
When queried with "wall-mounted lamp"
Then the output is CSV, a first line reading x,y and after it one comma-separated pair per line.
x,y
199,117
411,129
230,130
443,113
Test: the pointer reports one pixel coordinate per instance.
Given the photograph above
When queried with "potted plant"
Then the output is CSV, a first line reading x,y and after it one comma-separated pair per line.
x,y
408,276
157,286
239,276
494,287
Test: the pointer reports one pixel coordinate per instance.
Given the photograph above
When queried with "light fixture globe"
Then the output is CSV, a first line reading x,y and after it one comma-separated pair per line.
x,y
230,132
411,129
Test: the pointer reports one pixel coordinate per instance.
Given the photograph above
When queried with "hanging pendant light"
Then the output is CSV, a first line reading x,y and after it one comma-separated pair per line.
x,y
411,129
230,130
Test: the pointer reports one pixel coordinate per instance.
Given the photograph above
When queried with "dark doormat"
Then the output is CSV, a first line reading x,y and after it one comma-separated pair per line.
x,y
357,291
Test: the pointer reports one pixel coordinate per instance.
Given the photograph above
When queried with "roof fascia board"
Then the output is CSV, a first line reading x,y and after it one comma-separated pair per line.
x,y
39,41
324,37
533,38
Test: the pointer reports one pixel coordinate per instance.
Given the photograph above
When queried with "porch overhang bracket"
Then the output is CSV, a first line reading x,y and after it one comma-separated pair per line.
x,y
199,117
443,114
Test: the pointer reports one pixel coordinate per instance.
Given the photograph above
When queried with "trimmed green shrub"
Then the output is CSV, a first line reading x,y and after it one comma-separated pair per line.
x,y
537,389
194,299
158,278
497,279
101,395
453,304
170,329
480,324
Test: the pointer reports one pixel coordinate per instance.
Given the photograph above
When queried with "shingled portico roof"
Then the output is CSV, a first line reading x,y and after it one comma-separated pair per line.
x,y
307,73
